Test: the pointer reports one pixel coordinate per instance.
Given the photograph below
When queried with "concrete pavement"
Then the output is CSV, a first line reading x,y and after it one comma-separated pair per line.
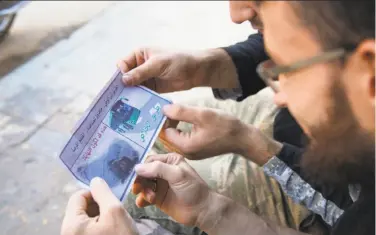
x,y
41,100
40,24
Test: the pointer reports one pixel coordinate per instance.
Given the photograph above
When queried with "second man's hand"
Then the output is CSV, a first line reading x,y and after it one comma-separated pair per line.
x,y
180,192
215,133
164,71
184,196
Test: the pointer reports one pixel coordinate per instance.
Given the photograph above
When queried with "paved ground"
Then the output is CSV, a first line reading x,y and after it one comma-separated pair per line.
x,y
40,24
41,100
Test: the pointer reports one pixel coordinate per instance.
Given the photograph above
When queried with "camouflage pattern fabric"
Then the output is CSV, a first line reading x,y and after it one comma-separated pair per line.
x,y
231,174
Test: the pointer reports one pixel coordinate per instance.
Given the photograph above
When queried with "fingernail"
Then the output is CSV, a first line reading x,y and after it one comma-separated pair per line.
x,y
127,79
167,108
97,180
149,198
138,168
149,195
168,131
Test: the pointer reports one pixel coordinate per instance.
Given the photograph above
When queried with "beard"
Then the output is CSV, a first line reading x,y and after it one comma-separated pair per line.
x,y
257,23
340,152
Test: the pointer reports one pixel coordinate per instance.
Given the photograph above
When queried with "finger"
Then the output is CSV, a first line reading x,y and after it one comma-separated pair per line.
x,y
149,197
169,159
136,58
173,141
178,140
183,113
151,68
158,169
122,66
141,202
170,123
141,183
75,212
103,195
137,185
78,203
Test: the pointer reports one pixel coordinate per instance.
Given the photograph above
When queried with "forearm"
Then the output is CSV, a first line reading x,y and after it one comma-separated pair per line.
x,y
245,56
215,69
225,216
256,146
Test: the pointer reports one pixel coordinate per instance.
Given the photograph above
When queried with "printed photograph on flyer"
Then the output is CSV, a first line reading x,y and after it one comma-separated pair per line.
x,y
111,157
136,114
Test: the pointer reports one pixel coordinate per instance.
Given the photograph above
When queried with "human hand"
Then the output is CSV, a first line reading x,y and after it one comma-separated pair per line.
x,y
180,191
96,212
213,132
159,70
164,71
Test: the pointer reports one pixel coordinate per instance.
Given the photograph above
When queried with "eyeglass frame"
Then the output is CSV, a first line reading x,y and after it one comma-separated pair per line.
x,y
268,75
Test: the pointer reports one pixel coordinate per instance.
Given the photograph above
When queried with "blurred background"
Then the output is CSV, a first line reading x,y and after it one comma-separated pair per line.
x,y
55,59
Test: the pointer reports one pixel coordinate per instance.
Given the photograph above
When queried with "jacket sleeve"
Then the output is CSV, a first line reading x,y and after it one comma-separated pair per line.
x,y
246,56
324,200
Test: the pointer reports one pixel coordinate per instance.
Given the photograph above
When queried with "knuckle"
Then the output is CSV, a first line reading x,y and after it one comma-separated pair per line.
x,y
156,169
141,51
117,209
175,157
136,74
181,174
208,114
178,110
145,49
156,166
162,64
149,158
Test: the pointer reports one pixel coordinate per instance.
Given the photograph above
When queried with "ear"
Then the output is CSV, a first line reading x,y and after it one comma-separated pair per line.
x,y
366,51
361,72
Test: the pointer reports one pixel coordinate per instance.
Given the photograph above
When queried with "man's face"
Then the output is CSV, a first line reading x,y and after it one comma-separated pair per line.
x,y
242,11
332,102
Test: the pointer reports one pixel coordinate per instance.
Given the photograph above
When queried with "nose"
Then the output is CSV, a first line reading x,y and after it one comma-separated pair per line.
x,y
246,14
241,11
251,14
280,99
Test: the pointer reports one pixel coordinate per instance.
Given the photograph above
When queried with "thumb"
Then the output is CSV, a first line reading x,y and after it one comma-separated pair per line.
x,y
151,68
183,113
102,194
161,170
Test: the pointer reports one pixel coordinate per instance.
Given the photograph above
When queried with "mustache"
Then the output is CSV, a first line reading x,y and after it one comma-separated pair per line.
x,y
256,22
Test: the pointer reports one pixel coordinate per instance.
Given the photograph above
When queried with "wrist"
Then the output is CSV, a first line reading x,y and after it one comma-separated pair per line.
x,y
256,146
211,215
216,69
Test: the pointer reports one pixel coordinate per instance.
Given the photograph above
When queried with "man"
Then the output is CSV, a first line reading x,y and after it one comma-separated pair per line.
x,y
226,70
231,72
343,92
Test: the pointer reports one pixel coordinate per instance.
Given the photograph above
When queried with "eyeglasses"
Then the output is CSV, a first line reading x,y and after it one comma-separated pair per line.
x,y
269,71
